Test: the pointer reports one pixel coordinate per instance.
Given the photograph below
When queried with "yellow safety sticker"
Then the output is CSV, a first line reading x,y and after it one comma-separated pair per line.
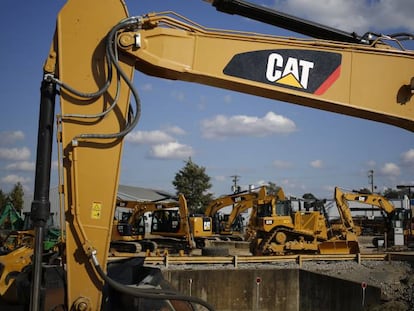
x,y
96,210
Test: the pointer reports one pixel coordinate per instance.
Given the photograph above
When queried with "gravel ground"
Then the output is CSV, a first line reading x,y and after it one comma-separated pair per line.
x,y
395,278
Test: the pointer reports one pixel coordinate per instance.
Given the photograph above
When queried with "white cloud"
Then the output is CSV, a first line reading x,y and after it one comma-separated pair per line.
x,y
175,130
329,188
228,99
353,15
10,137
149,137
220,178
17,154
222,126
21,166
260,183
171,150
178,95
146,87
316,164
390,170
282,164
13,179
408,157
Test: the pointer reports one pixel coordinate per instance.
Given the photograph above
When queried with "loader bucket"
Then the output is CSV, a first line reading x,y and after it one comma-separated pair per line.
x,y
339,247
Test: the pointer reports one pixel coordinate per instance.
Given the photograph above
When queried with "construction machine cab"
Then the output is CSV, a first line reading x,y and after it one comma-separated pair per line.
x,y
165,220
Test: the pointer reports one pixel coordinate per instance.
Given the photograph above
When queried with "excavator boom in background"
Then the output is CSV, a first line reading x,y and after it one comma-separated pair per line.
x,y
96,48
398,222
239,203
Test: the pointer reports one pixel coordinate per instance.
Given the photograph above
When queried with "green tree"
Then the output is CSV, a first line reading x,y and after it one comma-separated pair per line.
x,y
364,191
193,182
3,199
392,194
272,188
16,196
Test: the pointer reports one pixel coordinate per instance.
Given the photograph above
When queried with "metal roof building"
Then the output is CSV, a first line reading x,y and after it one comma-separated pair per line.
x,y
143,194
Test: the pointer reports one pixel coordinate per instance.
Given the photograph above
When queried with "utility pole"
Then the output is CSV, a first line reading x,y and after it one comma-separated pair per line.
x,y
235,187
371,182
371,179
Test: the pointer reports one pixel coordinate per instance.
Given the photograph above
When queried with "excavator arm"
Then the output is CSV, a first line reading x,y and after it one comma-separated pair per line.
x,y
343,197
94,83
333,76
233,200
95,50
371,199
247,201
344,210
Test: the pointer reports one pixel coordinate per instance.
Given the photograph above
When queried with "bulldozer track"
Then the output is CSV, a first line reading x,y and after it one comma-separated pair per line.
x,y
290,236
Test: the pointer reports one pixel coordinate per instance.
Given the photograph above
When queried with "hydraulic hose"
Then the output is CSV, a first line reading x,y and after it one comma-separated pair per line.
x,y
160,294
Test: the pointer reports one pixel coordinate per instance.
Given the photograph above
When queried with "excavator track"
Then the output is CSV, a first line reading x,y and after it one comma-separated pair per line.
x,y
134,246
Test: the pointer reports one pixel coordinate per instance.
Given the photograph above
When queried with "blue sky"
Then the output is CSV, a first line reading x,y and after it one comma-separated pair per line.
x,y
229,133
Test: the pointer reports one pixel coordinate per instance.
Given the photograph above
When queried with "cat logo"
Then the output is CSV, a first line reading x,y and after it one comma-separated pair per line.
x,y
361,198
295,72
305,70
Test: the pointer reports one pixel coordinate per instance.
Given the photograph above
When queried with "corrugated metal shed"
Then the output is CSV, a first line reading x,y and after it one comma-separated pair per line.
x,y
132,193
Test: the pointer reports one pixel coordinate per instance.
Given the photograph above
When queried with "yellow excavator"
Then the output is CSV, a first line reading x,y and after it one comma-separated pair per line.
x,y
172,227
239,202
397,221
97,46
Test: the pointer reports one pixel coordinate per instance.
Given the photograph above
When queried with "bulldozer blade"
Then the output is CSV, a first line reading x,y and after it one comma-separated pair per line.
x,y
339,247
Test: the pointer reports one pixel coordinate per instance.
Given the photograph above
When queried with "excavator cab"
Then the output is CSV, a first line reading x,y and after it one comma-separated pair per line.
x,y
165,222
124,227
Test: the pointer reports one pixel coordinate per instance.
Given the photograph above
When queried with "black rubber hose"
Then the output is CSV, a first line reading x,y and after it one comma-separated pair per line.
x,y
152,293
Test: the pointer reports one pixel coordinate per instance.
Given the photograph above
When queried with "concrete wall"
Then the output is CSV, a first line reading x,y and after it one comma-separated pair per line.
x,y
238,290
334,294
271,289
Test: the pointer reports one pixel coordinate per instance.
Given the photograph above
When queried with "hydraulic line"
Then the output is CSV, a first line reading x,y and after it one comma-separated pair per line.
x,y
279,19
112,60
152,293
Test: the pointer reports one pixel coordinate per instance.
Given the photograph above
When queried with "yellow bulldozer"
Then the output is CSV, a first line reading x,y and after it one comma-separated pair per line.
x,y
279,230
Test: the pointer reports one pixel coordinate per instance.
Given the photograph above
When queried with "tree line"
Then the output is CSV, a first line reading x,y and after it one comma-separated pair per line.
x,y
15,196
194,183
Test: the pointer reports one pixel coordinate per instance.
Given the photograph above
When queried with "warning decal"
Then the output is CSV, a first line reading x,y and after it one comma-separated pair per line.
x,y
96,210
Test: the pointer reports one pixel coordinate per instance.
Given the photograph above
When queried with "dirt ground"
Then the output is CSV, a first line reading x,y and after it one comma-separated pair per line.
x,y
394,278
